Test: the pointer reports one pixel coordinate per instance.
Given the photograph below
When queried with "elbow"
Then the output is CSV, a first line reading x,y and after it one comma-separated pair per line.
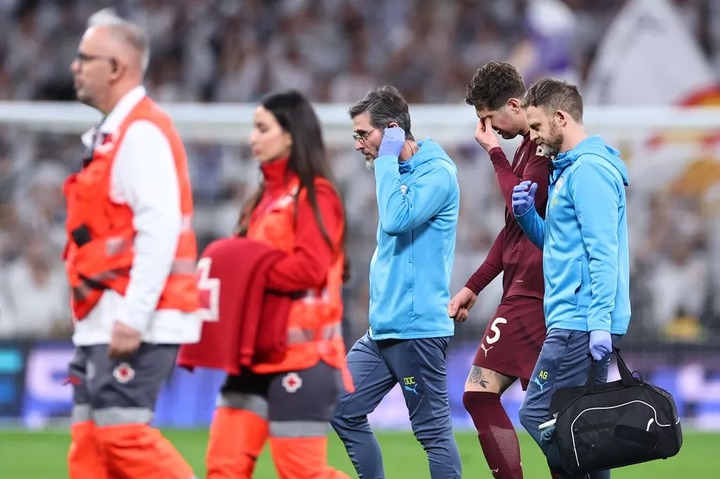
x,y
394,227
315,275
391,231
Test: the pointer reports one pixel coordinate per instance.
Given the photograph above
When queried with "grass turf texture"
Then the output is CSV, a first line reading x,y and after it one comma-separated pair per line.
x,y
41,455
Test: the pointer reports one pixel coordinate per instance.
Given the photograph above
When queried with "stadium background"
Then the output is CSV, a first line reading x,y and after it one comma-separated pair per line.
x,y
649,71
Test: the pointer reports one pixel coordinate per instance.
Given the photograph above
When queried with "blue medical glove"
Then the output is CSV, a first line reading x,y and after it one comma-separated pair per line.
x,y
392,142
523,197
600,344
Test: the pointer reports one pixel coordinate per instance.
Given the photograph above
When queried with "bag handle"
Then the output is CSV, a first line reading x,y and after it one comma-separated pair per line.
x,y
625,375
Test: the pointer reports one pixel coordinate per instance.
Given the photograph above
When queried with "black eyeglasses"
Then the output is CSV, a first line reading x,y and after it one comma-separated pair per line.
x,y
362,136
83,58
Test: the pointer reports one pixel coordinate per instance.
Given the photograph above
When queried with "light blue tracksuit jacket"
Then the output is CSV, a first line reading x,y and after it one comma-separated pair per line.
x,y
585,240
418,203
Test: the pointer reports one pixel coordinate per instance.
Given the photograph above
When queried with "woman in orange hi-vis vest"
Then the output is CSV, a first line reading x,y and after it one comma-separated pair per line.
x,y
298,210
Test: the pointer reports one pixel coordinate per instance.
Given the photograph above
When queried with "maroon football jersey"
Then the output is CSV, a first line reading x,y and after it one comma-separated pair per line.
x,y
512,252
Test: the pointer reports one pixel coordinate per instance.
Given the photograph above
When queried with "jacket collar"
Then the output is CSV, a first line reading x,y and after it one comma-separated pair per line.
x,y
559,163
114,119
275,175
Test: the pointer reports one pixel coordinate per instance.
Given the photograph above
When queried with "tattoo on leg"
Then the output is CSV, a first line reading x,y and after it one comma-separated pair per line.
x,y
476,377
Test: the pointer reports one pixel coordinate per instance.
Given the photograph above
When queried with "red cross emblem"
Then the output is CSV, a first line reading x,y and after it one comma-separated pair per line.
x,y
123,373
291,382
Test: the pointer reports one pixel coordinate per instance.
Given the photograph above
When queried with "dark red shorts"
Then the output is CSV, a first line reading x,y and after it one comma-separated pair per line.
x,y
512,341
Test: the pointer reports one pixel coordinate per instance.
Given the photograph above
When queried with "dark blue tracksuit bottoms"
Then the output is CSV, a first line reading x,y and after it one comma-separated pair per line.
x,y
418,365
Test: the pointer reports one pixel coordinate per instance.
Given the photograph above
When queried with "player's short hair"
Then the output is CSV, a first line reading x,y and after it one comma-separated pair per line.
x,y
552,95
124,30
385,105
493,85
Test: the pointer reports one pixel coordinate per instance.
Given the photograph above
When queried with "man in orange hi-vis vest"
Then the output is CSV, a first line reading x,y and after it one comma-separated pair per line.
x,y
130,259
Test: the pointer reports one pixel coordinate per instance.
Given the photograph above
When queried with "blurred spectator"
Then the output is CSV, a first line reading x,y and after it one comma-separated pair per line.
x,y
679,283
236,50
35,295
39,204
547,50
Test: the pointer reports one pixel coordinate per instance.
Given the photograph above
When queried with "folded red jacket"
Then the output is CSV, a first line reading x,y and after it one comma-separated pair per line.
x,y
244,324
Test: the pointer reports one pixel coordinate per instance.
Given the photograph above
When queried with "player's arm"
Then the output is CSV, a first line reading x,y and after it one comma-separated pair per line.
x,y
596,199
506,177
144,174
403,209
490,268
463,301
308,264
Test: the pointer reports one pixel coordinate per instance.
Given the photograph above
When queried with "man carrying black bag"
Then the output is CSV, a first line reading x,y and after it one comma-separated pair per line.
x,y
585,251
602,426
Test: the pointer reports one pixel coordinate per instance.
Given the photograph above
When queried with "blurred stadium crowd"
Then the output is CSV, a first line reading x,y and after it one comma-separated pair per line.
x,y
334,51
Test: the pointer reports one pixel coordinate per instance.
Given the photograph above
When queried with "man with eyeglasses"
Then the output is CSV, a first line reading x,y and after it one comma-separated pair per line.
x,y
130,259
418,203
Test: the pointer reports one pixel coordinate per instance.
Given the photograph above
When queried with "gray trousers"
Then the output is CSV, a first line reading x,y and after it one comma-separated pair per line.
x,y
111,391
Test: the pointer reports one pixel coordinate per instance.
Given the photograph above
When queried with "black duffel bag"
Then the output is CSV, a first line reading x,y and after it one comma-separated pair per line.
x,y
603,426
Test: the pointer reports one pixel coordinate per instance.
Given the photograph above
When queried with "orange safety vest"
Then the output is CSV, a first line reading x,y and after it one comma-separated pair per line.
x,y
99,251
315,321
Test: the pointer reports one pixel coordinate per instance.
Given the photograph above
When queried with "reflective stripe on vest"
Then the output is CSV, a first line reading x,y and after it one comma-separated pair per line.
x,y
325,333
97,282
115,245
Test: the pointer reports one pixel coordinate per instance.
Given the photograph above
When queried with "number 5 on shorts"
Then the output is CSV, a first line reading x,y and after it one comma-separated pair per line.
x,y
494,327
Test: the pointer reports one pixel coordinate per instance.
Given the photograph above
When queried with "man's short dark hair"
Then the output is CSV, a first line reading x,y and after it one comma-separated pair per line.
x,y
385,105
493,85
553,95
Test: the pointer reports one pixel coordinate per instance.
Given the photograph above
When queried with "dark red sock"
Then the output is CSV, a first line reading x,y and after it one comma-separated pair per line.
x,y
496,433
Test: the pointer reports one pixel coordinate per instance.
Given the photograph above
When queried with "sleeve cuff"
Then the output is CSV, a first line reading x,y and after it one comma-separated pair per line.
x,y
473,287
133,317
524,214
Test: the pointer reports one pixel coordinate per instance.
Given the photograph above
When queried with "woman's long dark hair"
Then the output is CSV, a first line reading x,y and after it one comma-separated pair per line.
x,y
308,159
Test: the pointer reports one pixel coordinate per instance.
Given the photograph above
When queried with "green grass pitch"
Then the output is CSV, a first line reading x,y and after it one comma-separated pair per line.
x,y
41,455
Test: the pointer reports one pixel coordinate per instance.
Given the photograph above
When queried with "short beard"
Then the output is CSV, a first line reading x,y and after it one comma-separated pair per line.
x,y
370,165
553,144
